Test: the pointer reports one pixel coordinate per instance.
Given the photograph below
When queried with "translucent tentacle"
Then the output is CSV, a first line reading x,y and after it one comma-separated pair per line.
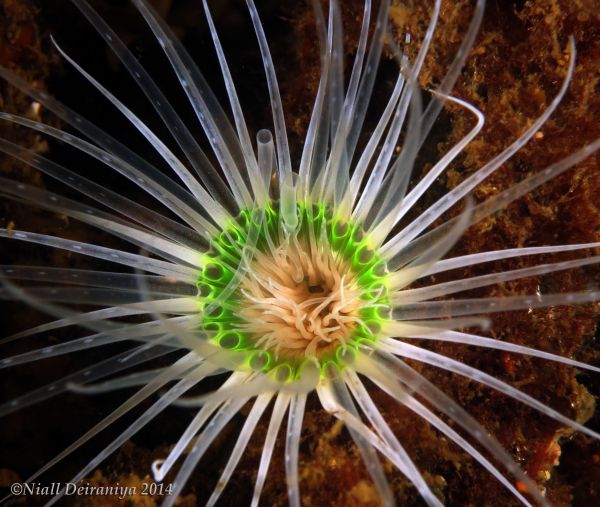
x,y
221,136
400,460
446,288
394,390
458,307
495,203
446,335
217,213
181,134
89,374
368,454
281,404
166,193
388,217
249,426
182,273
186,363
392,247
292,444
147,177
446,363
392,367
478,258
283,151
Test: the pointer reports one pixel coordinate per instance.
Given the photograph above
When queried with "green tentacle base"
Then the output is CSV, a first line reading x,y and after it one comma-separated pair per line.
x,y
258,231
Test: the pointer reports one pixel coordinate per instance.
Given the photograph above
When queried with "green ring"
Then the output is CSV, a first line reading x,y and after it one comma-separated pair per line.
x,y
346,239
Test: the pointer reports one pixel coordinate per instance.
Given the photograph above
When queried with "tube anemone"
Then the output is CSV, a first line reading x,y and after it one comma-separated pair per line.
x,y
282,286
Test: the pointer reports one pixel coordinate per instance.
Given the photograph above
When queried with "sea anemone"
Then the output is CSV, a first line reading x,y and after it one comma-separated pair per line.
x,y
265,280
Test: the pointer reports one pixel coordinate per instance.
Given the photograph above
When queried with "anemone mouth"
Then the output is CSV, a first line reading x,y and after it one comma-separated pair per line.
x,y
287,296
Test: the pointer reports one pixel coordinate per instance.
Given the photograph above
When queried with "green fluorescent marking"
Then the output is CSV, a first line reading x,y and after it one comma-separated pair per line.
x,y
348,240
